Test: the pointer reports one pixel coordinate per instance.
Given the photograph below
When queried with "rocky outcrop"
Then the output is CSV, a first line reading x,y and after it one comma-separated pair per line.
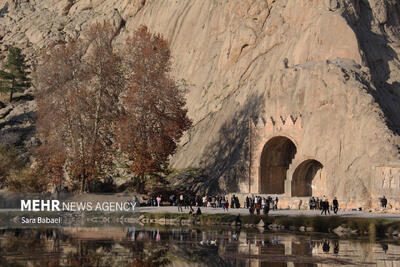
x,y
334,63
343,231
17,122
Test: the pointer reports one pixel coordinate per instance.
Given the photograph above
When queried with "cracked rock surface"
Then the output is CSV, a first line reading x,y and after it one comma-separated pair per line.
x,y
335,63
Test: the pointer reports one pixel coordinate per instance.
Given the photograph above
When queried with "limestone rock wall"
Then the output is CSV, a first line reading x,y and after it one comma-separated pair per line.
x,y
341,74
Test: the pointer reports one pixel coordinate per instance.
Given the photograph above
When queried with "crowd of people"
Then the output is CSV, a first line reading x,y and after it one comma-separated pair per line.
x,y
205,201
323,205
255,204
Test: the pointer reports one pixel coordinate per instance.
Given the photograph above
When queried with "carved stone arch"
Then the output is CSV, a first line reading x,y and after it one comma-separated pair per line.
x,y
276,157
303,182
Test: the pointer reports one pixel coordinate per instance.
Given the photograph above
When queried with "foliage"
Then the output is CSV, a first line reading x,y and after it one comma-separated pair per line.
x,y
94,103
10,162
14,77
154,117
27,180
79,82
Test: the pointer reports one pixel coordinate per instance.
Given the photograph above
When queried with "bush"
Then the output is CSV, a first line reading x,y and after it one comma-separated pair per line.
x,y
361,224
10,162
27,180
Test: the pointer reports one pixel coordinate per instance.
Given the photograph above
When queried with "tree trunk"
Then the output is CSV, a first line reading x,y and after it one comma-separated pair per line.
x,y
83,185
140,185
12,89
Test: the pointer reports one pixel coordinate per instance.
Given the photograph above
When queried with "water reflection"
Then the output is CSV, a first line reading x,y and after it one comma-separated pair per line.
x,y
184,247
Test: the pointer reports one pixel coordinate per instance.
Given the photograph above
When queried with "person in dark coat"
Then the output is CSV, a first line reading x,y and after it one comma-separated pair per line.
x,y
325,206
335,205
384,202
237,202
266,207
233,203
258,206
312,203
251,209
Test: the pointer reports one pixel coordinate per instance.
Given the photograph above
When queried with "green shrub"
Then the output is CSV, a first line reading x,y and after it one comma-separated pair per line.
x,y
361,224
10,162
27,180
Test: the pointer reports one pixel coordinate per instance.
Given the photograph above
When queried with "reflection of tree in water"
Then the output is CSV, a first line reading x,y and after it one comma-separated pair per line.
x,y
157,247
51,247
24,245
89,252
123,253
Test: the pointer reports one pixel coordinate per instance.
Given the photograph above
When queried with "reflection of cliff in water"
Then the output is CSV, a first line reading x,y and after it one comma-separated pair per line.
x,y
184,247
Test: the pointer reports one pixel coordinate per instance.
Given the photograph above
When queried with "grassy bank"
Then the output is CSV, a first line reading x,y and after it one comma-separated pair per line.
x,y
364,226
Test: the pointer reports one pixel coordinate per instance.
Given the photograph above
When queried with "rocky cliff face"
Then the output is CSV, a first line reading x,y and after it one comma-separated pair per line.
x,y
334,63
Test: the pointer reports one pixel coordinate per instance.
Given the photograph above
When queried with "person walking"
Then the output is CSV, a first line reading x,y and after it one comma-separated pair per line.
x,y
311,203
223,203
322,205
300,203
384,202
180,203
266,207
158,200
251,209
172,200
263,203
227,205
258,205
255,203
335,205
325,206
276,203
237,203
184,202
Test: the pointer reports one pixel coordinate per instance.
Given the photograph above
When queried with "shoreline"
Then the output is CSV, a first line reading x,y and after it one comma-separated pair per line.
x,y
281,220
279,212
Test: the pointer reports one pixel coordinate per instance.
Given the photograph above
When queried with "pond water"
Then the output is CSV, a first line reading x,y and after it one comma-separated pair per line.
x,y
156,246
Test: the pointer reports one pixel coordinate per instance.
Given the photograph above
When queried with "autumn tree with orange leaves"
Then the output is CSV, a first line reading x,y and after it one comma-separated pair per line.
x,y
79,86
154,115
94,102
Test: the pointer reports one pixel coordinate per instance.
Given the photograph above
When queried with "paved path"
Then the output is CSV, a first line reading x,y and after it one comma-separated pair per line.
x,y
243,211
284,212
